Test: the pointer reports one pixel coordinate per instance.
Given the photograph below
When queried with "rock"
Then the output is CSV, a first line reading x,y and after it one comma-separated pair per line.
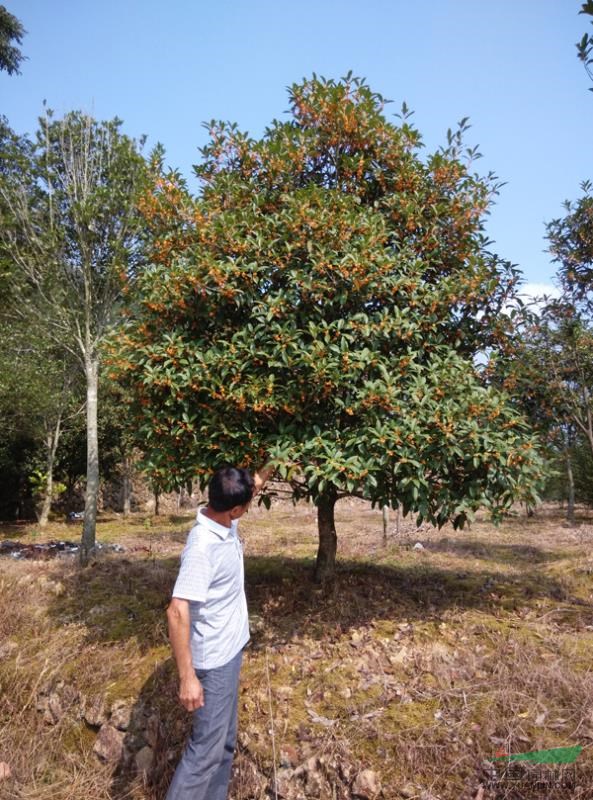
x,y
109,744
144,760
246,780
285,783
7,649
54,710
5,771
316,785
288,756
152,729
409,790
284,692
57,702
418,546
121,714
366,785
310,775
93,710
244,740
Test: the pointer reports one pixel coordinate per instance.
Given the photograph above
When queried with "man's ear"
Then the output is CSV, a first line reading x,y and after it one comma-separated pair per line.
x,y
238,511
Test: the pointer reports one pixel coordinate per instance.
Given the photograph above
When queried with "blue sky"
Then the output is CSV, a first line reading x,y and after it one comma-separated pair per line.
x,y
164,68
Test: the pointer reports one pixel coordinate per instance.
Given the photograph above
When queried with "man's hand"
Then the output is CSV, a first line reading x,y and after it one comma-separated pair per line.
x,y
191,694
261,477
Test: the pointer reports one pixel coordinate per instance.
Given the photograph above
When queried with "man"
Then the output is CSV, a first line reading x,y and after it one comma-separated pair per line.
x,y
208,629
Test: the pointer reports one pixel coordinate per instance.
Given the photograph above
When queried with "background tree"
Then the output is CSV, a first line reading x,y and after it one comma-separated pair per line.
x,y
549,375
71,241
320,304
585,46
571,246
39,396
11,30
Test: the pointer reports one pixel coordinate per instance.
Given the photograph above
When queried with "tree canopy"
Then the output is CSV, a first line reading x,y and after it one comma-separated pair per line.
x,y
571,245
11,31
320,303
585,45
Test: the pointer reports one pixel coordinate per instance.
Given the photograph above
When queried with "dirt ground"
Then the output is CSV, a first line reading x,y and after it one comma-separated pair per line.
x,y
431,654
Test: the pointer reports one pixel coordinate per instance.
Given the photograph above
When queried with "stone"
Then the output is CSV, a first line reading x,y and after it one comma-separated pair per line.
x,y
284,692
418,546
366,785
316,785
288,756
56,702
246,780
7,649
144,760
409,790
54,710
310,775
121,714
109,744
284,783
152,729
93,710
5,771
244,740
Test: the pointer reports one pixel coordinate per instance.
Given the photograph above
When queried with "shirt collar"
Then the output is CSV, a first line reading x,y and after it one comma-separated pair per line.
x,y
213,526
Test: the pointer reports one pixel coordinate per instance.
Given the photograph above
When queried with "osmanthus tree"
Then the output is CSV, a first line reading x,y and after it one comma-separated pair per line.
x,y
571,245
320,303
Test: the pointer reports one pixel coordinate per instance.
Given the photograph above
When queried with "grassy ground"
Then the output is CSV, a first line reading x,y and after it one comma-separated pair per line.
x,y
417,664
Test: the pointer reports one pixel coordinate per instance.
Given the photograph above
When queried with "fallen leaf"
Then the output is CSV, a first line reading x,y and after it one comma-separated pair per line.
x,y
327,723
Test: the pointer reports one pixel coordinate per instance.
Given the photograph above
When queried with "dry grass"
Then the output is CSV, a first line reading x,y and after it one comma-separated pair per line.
x,y
418,664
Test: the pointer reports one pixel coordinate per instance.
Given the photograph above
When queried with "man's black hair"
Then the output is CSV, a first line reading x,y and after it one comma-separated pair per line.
x,y
230,487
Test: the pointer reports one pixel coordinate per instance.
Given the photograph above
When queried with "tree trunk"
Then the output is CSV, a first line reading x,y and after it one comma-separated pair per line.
x,y
385,523
569,474
157,502
87,544
53,438
126,486
328,540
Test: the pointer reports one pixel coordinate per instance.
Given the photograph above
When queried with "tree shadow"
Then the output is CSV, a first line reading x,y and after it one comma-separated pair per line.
x,y
503,553
14,530
117,599
281,595
120,598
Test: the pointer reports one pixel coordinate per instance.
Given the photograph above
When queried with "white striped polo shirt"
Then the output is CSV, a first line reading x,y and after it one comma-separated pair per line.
x,y
211,578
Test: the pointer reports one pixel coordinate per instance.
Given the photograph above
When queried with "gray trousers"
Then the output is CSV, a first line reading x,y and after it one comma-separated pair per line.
x,y
205,768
